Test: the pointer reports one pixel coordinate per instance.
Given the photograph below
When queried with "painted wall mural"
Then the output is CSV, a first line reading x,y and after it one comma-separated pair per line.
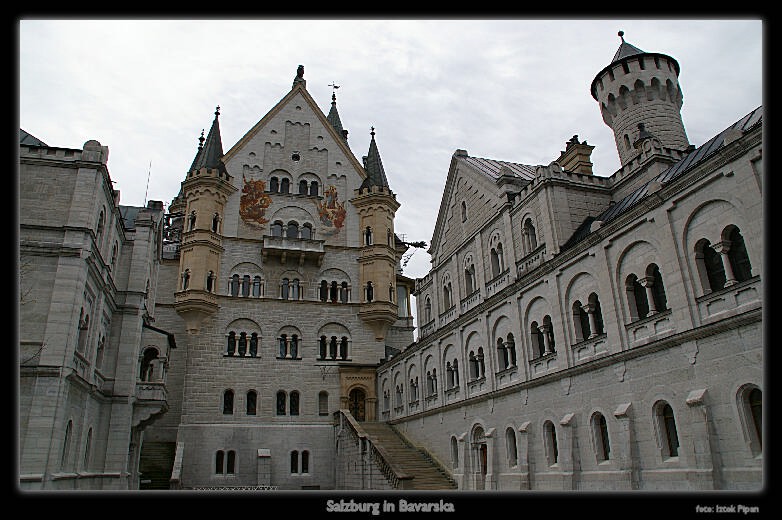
x,y
331,212
253,203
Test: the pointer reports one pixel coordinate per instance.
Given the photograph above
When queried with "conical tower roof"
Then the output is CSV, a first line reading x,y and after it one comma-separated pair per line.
x,y
376,175
210,151
625,49
333,116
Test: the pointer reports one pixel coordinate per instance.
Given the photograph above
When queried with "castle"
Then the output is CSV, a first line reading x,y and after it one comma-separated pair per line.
x,y
575,332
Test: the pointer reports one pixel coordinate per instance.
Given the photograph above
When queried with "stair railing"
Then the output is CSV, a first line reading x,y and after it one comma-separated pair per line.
x,y
396,478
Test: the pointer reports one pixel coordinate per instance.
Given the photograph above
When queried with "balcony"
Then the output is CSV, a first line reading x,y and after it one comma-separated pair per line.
x,y
299,249
447,316
531,261
151,402
651,327
428,328
471,301
498,283
589,348
543,364
730,301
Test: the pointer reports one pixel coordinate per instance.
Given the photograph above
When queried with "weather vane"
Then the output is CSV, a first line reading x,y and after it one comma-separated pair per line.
x,y
333,86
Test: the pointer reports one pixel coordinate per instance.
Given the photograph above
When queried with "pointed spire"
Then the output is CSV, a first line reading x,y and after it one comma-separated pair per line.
x,y
210,150
625,49
333,116
376,175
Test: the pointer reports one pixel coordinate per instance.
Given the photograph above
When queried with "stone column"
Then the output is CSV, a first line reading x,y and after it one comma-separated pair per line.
x,y
622,444
491,477
567,456
700,434
546,339
589,308
524,443
647,283
722,248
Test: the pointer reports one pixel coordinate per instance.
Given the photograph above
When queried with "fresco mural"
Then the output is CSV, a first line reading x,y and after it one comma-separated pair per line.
x,y
254,201
331,212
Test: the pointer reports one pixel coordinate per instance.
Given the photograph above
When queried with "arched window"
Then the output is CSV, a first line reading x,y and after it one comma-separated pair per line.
x,y
454,452
343,348
324,290
322,346
147,364
503,359
101,226
666,427
306,231
580,322
344,294
294,461
600,437
257,286
86,460
658,288
252,401
242,343
323,403
710,267
305,461
186,279
276,229
246,285
636,298
230,464
254,344
215,222
428,309
550,443
333,292
234,286
219,462
192,221
738,257
530,240
368,236
302,187
228,402
464,211
333,347
295,346
285,185
594,303
750,402
510,346
538,341
210,280
274,185
495,263
511,449
281,402
294,397
292,231
231,348
285,289
469,279
314,188
370,292
66,446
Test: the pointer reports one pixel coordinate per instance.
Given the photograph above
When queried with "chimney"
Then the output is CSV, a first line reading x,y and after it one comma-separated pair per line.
x,y
576,156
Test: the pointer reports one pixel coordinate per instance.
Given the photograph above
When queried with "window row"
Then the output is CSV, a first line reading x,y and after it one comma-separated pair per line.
x,y
225,462
665,429
214,221
283,185
289,288
285,403
242,344
292,230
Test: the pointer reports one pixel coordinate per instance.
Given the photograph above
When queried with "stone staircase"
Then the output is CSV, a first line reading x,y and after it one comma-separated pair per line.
x,y
428,475
157,459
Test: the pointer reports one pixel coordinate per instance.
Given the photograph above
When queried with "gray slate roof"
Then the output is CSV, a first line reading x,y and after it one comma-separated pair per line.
x,y
28,139
492,167
676,170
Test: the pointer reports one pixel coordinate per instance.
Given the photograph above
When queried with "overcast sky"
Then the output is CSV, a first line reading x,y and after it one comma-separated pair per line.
x,y
512,90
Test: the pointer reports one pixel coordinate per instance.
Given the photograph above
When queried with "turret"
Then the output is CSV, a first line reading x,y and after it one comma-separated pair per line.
x,y
641,88
376,205
202,198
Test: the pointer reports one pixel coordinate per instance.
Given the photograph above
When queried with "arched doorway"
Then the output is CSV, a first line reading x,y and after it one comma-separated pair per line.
x,y
480,457
357,404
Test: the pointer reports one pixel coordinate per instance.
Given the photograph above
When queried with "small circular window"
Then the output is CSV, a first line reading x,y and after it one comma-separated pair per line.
x,y
295,156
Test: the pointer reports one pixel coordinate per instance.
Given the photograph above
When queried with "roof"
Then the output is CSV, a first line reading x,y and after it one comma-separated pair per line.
x,y
495,169
376,175
676,170
210,152
28,139
333,116
128,214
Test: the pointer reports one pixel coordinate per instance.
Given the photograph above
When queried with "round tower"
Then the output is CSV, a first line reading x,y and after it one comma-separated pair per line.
x,y
641,88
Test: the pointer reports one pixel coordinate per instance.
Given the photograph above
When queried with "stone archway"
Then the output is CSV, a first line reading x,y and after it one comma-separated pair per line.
x,y
479,457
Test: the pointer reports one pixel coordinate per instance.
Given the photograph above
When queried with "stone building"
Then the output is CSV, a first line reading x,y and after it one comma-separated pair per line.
x,y
596,333
575,332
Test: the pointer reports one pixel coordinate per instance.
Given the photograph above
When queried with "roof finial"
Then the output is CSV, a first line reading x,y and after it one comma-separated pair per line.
x,y
621,35
372,132
201,140
217,111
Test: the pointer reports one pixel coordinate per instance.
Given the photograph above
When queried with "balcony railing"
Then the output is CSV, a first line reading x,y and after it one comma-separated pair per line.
x,y
731,300
470,301
531,261
301,249
498,283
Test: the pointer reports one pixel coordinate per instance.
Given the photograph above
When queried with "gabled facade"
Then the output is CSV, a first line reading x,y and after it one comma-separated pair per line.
x,y
282,279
